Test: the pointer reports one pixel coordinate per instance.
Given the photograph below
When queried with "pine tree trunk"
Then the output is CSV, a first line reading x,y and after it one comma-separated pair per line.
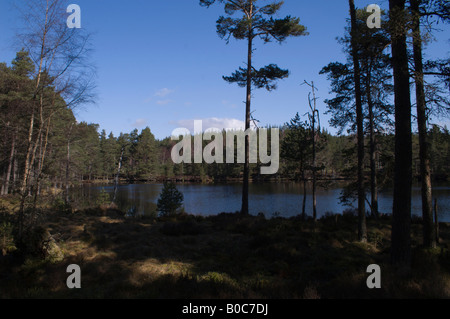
x,y
2,191
436,221
304,193
244,209
362,230
15,170
373,172
425,172
373,168
401,213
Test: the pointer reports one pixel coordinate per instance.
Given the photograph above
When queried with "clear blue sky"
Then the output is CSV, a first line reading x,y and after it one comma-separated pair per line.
x,y
160,63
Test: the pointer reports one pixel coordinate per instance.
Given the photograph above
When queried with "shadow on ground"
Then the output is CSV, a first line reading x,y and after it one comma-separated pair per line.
x,y
225,256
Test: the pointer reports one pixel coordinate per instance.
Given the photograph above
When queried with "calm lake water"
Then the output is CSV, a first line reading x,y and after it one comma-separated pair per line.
x,y
283,199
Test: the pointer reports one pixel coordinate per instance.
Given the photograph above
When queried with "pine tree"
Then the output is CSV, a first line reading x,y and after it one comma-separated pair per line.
x,y
146,156
15,95
362,231
256,21
296,148
422,118
401,213
170,200
375,86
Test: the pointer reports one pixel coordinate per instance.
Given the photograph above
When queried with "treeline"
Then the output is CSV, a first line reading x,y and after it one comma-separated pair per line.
x,y
44,147
78,153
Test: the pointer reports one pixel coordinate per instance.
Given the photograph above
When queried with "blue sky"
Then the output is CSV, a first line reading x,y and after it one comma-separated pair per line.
x,y
160,63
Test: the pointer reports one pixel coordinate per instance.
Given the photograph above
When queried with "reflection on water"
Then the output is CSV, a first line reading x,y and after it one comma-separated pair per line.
x,y
284,199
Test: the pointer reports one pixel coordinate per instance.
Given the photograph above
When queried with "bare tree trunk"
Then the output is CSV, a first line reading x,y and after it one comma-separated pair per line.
x,y
373,167
15,170
362,230
28,164
373,171
10,165
425,171
26,173
28,156
116,181
401,213
314,156
244,208
304,193
43,151
2,191
314,114
436,220
33,160
66,195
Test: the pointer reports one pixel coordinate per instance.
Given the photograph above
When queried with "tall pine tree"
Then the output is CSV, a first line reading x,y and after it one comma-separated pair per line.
x,y
401,213
255,22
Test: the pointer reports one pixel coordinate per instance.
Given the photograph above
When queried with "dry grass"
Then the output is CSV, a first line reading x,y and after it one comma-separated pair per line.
x,y
225,256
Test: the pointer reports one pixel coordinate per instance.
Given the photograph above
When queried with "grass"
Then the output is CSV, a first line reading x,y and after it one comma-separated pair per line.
x,y
224,256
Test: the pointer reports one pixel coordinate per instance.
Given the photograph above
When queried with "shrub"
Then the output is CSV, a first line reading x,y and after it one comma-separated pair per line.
x,y
170,200
60,205
38,242
182,228
6,231
6,238
351,212
103,198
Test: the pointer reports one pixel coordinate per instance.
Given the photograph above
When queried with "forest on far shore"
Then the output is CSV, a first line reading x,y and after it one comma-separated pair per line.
x,y
71,153
82,154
